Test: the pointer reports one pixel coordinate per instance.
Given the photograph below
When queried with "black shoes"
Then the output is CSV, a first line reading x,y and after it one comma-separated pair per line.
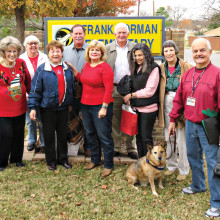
x,y
20,164
30,147
67,165
116,154
52,167
133,155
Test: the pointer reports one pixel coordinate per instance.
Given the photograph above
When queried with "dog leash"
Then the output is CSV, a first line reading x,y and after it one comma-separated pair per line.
x,y
173,149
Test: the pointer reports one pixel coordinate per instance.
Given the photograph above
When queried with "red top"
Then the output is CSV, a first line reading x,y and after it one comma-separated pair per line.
x,y
171,69
34,62
14,83
61,83
97,84
207,94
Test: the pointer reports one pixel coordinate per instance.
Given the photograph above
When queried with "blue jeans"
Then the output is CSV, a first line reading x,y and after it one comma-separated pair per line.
x,y
98,132
197,143
32,129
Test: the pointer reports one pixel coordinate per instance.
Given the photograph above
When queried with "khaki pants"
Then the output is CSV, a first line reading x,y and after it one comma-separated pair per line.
x,y
174,162
116,125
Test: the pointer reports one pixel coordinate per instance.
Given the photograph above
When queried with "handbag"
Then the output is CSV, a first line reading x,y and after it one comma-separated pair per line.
x,y
210,126
78,90
74,129
129,120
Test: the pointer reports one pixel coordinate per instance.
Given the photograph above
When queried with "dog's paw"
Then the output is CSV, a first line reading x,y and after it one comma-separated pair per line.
x,y
161,187
155,193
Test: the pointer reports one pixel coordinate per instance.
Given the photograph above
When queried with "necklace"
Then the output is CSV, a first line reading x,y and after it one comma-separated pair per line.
x,y
11,68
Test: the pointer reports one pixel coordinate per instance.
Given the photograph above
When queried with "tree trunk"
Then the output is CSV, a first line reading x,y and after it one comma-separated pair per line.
x,y
20,22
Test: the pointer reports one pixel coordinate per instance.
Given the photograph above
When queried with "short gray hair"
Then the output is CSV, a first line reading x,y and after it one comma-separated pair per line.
x,y
207,41
29,39
170,43
10,41
121,25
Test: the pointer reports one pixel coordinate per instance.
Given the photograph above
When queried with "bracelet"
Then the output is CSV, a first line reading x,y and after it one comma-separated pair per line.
x,y
104,106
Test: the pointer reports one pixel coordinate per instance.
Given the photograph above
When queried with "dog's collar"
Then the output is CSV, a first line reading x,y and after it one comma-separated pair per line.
x,y
158,168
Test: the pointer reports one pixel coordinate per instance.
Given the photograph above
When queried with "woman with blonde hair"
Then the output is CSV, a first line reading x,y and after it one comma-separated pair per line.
x,y
15,82
97,106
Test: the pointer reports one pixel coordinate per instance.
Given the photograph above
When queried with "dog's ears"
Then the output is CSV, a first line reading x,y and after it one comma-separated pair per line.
x,y
149,147
164,144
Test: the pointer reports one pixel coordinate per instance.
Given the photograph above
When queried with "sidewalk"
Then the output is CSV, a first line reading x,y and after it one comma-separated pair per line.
x,y
30,155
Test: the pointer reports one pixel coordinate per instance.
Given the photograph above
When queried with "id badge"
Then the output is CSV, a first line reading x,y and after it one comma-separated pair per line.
x,y
191,101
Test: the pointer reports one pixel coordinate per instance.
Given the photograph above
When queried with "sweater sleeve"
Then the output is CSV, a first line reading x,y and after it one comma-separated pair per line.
x,y
107,77
151,85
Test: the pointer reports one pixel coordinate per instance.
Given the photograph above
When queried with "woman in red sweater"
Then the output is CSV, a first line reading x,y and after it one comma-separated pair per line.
x,y
15,81
97,105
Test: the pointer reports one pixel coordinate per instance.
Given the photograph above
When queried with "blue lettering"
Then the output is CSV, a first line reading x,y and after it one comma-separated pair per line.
x,y
140,30
143,41
154,29
88,41
97,31
147,29
110,29
104,29
150,42
90,28
133,28
136,41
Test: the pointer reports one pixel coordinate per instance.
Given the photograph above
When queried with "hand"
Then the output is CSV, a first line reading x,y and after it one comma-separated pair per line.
x,y
102,113
75,71
171,129
127,98
70,108
33,115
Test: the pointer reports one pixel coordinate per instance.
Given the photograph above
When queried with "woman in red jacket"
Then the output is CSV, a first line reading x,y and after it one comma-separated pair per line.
x,y
15,81
97,105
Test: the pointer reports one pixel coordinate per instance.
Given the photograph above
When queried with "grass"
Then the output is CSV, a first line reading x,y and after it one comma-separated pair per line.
x,y
34,192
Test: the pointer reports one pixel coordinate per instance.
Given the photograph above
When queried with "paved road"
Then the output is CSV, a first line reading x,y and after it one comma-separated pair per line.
x,y
215,57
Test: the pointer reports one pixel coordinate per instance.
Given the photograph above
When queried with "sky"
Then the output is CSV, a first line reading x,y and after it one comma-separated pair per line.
x,y
194,8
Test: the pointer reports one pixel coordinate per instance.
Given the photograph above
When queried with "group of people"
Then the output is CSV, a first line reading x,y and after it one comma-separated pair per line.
x,y
175,92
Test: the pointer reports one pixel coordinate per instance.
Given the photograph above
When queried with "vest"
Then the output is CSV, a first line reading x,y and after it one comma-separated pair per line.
x,y
138,81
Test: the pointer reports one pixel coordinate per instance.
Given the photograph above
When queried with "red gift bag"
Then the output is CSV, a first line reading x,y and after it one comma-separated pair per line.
x,y
129,120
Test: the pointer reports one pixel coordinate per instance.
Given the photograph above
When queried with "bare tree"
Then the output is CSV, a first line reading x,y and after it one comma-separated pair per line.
x,y
176,13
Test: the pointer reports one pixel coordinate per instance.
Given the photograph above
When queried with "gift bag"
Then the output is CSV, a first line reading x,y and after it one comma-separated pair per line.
x,y
129,120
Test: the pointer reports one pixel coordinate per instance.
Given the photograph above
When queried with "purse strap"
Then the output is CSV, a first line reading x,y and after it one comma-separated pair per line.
x,y
173,149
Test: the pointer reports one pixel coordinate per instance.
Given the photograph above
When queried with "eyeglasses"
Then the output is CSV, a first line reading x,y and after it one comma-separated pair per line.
x,y
33,43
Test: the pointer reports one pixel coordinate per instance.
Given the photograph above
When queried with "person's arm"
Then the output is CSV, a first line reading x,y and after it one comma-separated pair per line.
x,y
36,92
27,77
150,88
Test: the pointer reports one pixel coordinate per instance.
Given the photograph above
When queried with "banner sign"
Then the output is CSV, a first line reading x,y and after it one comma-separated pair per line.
x,y
147,30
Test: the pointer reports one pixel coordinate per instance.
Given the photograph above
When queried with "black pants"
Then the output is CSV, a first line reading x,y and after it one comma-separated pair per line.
x,y
55,121
145,128
11,139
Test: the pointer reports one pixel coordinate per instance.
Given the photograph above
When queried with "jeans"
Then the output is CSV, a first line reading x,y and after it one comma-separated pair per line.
x,y
32,129
197,143
98,132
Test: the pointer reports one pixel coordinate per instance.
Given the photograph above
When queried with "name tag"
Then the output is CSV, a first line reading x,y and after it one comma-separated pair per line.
x,y
191,101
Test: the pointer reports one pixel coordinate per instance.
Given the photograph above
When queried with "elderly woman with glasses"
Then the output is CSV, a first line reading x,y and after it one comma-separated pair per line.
x,y
33,58
172,70
15,82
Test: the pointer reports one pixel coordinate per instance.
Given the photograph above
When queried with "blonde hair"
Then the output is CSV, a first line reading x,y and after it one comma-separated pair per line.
x,y
101,47
10,41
